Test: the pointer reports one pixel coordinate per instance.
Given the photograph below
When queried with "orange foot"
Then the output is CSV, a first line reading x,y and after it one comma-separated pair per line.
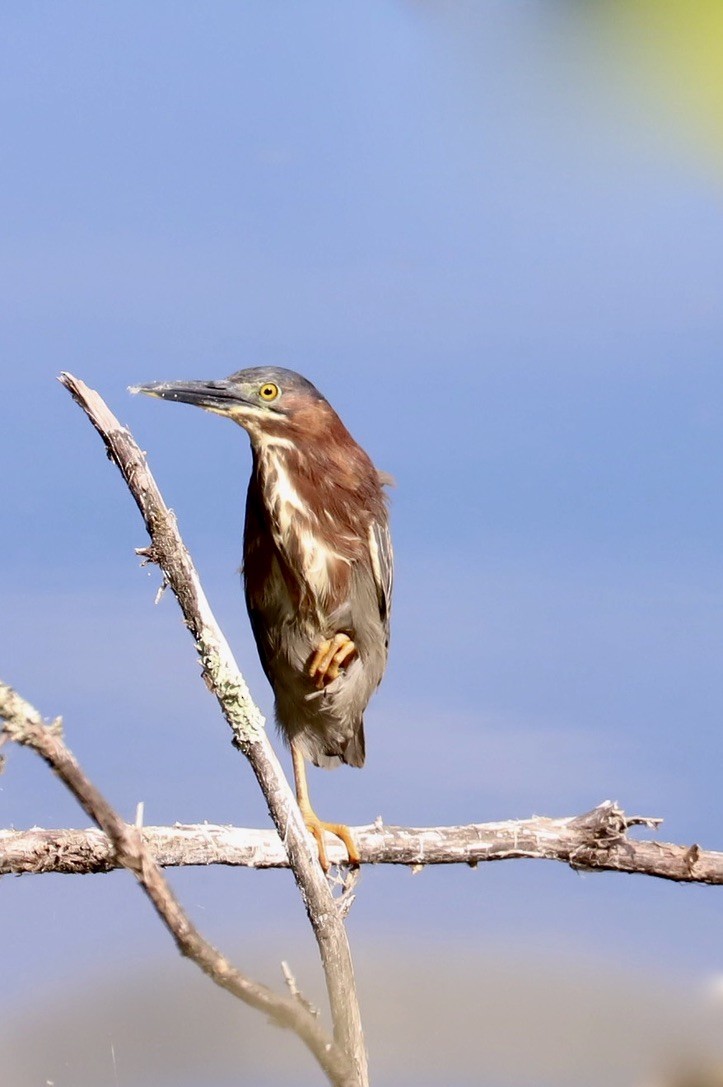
x,y
317,828
329,658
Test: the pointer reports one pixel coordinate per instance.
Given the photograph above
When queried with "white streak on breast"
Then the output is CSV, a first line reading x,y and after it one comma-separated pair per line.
x,y
374,555
282,496
291,521
318,558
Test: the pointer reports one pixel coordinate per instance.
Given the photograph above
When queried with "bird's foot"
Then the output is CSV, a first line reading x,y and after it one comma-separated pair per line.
x,y
330,656
317,827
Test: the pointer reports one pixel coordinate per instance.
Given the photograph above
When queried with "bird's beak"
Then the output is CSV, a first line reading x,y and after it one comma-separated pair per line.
x,y
218,396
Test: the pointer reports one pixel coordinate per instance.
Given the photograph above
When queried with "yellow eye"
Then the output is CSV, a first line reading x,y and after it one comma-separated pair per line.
x,y
269,391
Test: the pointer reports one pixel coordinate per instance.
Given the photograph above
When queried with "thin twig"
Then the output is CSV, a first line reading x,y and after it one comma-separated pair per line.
x,y
294,989
597,840
24,725
224,679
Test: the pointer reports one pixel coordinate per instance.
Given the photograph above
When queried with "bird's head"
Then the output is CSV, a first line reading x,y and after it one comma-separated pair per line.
x,y
267,401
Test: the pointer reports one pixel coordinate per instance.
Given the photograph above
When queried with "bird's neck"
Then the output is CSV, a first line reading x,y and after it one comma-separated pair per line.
x,y
275,472
315,545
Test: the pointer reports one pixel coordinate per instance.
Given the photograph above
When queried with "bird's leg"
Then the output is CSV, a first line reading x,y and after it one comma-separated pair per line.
x,y
330,656
314,824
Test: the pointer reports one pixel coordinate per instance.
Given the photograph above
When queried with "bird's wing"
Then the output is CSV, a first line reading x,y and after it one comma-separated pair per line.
x,y
382,556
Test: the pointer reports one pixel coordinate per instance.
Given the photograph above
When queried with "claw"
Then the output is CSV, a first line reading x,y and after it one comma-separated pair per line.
x,y
317,827
330,656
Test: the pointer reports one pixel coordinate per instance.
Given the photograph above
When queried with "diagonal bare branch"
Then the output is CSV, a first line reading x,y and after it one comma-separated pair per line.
x,y
24,725
224,680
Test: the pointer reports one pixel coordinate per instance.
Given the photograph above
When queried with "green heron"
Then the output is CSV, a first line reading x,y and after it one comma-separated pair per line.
x,y
317,565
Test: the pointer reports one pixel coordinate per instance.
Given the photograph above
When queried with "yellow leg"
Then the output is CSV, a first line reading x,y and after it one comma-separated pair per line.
x,y
314,824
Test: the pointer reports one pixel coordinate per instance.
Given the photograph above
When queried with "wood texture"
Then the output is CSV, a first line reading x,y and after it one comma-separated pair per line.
x,y
598,840
23,725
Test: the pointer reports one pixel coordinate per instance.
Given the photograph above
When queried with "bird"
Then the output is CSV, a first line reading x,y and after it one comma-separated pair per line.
x,y
317,566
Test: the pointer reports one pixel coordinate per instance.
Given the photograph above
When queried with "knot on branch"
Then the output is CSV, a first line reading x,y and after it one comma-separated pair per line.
x,y
602,830
605,823
147,555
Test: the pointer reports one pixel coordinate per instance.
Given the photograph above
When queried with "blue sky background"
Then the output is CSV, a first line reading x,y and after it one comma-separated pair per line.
x,y
501,262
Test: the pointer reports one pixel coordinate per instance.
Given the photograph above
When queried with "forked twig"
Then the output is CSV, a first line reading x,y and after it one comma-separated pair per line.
x,y
24,725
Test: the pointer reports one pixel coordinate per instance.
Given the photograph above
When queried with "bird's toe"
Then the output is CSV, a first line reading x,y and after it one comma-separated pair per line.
x,y
330,657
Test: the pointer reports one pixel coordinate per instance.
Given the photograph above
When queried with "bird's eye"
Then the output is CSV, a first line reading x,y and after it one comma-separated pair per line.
x,y
269,391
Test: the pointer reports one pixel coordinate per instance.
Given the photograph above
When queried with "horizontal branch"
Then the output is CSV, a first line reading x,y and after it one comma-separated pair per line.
x,y
597,840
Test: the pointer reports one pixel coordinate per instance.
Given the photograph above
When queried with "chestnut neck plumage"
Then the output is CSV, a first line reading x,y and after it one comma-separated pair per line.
x,y
320,493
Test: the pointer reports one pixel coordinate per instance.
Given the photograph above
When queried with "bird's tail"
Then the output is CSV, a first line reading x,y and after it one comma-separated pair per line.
x,y
355,751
